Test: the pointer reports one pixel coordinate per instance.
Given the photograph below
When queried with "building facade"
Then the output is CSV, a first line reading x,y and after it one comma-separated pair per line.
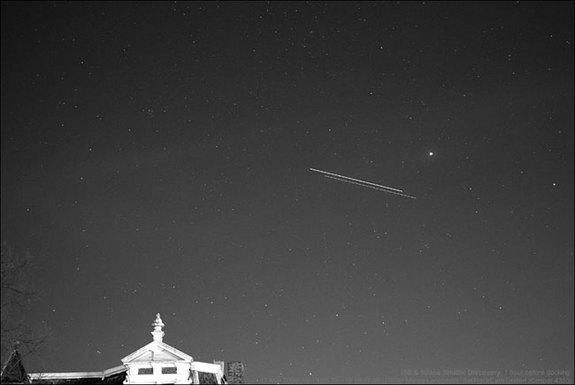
x,y
154,363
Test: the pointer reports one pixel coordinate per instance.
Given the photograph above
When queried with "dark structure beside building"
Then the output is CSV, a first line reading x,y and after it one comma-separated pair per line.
x,y
156,362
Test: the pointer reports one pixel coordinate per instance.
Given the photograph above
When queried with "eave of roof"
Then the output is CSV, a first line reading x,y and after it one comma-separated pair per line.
x,y
76,375
65,375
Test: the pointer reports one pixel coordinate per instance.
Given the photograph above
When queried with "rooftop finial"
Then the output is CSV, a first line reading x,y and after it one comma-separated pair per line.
x,y
158,334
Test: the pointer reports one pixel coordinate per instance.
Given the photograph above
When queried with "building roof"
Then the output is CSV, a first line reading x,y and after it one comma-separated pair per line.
x,y
155,352
78,375
13,369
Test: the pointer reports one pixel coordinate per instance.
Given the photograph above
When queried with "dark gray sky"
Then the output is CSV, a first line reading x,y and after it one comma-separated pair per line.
x,y
155,159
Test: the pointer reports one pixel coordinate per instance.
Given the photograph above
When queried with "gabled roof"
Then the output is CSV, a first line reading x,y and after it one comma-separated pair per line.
x,y
13,370
157,351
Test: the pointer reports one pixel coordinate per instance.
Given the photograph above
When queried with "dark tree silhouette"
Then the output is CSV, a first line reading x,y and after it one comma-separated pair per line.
x,y
18,295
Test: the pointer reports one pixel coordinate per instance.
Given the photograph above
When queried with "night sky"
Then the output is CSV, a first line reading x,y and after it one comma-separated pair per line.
x,y
155,158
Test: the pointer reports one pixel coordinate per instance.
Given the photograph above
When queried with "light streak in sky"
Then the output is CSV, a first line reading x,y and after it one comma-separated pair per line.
x,y
363,183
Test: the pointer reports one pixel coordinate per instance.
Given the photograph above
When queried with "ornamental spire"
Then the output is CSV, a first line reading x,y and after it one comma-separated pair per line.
x,y
158,333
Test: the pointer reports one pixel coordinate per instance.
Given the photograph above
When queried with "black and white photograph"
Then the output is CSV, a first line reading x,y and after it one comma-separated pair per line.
x,y
287,192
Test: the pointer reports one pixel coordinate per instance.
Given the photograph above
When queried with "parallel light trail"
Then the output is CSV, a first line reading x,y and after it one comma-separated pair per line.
x,y
355,180
372,187
359,182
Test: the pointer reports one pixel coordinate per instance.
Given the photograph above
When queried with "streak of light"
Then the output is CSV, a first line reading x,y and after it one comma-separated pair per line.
x,y
372,187
355,180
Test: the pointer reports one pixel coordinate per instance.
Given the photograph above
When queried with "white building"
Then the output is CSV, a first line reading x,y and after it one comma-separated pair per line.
x,y
159,363
154,363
